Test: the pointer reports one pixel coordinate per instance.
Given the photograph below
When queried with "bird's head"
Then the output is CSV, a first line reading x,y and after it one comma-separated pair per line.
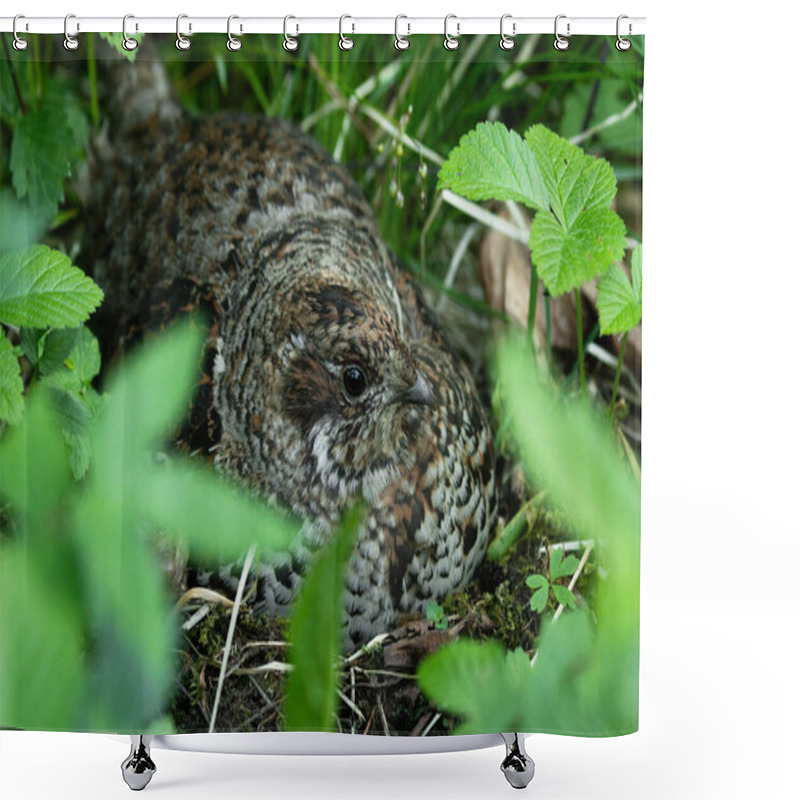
x,y
350,383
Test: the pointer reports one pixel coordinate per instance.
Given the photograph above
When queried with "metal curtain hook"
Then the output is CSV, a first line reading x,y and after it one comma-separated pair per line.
x,y
234,44
182,43
70,42
400,42
19,43
623,44
128,42
506,42
289,43
345,42
450,42
561,42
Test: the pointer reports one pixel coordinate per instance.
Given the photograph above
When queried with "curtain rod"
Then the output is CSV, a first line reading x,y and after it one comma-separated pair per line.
x,y
298,25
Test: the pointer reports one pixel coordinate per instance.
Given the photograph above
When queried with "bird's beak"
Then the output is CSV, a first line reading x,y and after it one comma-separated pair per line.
x,y
420,393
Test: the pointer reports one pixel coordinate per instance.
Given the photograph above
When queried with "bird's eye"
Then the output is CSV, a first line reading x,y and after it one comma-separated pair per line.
x,y
355,381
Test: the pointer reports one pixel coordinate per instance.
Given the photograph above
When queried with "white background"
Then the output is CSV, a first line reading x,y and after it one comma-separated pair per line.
x,y
720,604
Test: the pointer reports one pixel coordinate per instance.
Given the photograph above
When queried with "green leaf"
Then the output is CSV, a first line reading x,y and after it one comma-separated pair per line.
x,y
565,258
32,341
217,520
115,40
580,236
58,344
147,398
315,635
618,303
33,460
564,596
492,162
541,587
42,683
40,288
84,360
20,225
450,677
636,271
12,403
40,158
561,567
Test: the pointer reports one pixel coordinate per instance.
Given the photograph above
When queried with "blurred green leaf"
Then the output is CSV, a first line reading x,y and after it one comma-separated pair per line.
x,y
20,225
40,288
316,633
541,587
33,460
42,673
12,403
564,596
41,179
561,567
492,162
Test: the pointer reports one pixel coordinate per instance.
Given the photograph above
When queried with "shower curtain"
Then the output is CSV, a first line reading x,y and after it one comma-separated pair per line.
x,y
321,389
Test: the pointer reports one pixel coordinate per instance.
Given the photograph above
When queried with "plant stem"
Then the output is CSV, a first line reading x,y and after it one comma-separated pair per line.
x,y
548,335
579,322
94,105
616,377
533,297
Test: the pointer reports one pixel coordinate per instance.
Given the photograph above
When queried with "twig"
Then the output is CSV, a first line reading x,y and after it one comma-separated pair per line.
x,y
351,705
383,717
196,617
455,261
486,217
560,609
229,640
372,644
431,724
608,121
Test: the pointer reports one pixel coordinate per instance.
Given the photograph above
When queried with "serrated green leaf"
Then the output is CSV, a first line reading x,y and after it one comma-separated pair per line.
x,y
115,40
561,567
636,271
12,402
315,635
40,288
539,599
84,360
564,596
492,162
618,306
579,236
567,258
40,158
58,344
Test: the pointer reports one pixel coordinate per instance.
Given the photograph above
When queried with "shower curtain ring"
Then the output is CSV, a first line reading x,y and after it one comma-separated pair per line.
x,y
182,43
345,42
623,44
561,42
19,43
290,44
128,42
507,42
234,44
400,42
451,42
70,42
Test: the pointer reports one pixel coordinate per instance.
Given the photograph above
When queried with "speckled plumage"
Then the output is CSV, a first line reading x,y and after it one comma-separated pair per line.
x,y
251,221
